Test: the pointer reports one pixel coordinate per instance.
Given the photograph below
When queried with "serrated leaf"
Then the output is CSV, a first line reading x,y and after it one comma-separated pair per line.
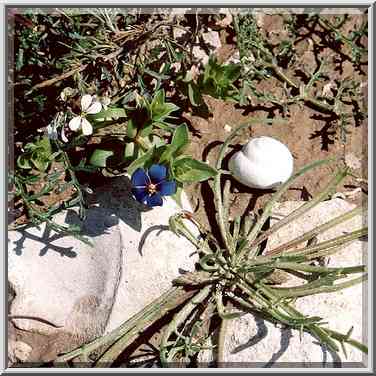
x,y
194,279
99,157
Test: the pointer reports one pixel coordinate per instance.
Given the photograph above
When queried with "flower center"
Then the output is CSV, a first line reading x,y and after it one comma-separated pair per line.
x,y
152,188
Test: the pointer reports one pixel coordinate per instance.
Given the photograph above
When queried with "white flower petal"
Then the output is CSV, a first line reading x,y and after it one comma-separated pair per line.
x,y
94,108
75,123
87,128
86,101
63,136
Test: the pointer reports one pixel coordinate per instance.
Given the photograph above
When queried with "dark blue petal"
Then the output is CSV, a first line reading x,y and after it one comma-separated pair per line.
x,y
140,178
167,188
157,173
140,194
154,200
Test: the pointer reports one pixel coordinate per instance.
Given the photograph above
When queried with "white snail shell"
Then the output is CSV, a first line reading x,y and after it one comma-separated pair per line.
x,y
263,163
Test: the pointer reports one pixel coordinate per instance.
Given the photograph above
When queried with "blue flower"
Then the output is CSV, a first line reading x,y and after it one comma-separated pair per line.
x,y
148,187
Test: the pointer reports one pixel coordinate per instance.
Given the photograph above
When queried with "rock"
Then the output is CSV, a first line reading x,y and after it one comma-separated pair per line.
x,y
253,342
226,21
212,39
152,257
63,281
200,55
73,293
20,351
353,162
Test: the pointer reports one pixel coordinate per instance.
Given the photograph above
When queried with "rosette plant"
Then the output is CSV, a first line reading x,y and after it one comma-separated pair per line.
x,y
234,276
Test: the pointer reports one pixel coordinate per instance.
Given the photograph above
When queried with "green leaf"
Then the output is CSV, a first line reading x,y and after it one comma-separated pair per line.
x,y
45,146
231,72
131,151
165,126
146,130
160,109
131,129
188,170
141,161
158,99
110,113
23,162
166,152
180,138
99,157
40,163
160,113
194,95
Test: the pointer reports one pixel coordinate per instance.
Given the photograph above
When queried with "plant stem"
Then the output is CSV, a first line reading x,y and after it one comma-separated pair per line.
x,y
317,230
304,290
302,209
158,308
178,319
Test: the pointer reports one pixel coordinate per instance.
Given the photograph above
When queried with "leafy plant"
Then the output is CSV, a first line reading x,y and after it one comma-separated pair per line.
x,y
37,155
144,144
234,277
217,80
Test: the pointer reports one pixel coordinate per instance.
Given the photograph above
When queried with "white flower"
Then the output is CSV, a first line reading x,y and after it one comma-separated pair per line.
x,y
63,136
89,106
263,163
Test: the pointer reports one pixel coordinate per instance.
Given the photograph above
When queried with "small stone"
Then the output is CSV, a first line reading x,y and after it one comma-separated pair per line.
x,y
200,54
212,39
227,128
226,21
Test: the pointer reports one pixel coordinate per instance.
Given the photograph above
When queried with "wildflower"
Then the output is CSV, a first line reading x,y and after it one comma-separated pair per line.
x,y
148,187
65,134
89,106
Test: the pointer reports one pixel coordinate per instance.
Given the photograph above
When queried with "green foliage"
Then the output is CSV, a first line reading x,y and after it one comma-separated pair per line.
x,y
37,155
132,61
217,80
143,146
188,170
99,157
232,272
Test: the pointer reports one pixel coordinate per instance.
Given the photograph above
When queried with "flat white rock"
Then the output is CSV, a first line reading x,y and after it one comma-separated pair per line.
x,y
253,342
152,256
63,280
89,291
